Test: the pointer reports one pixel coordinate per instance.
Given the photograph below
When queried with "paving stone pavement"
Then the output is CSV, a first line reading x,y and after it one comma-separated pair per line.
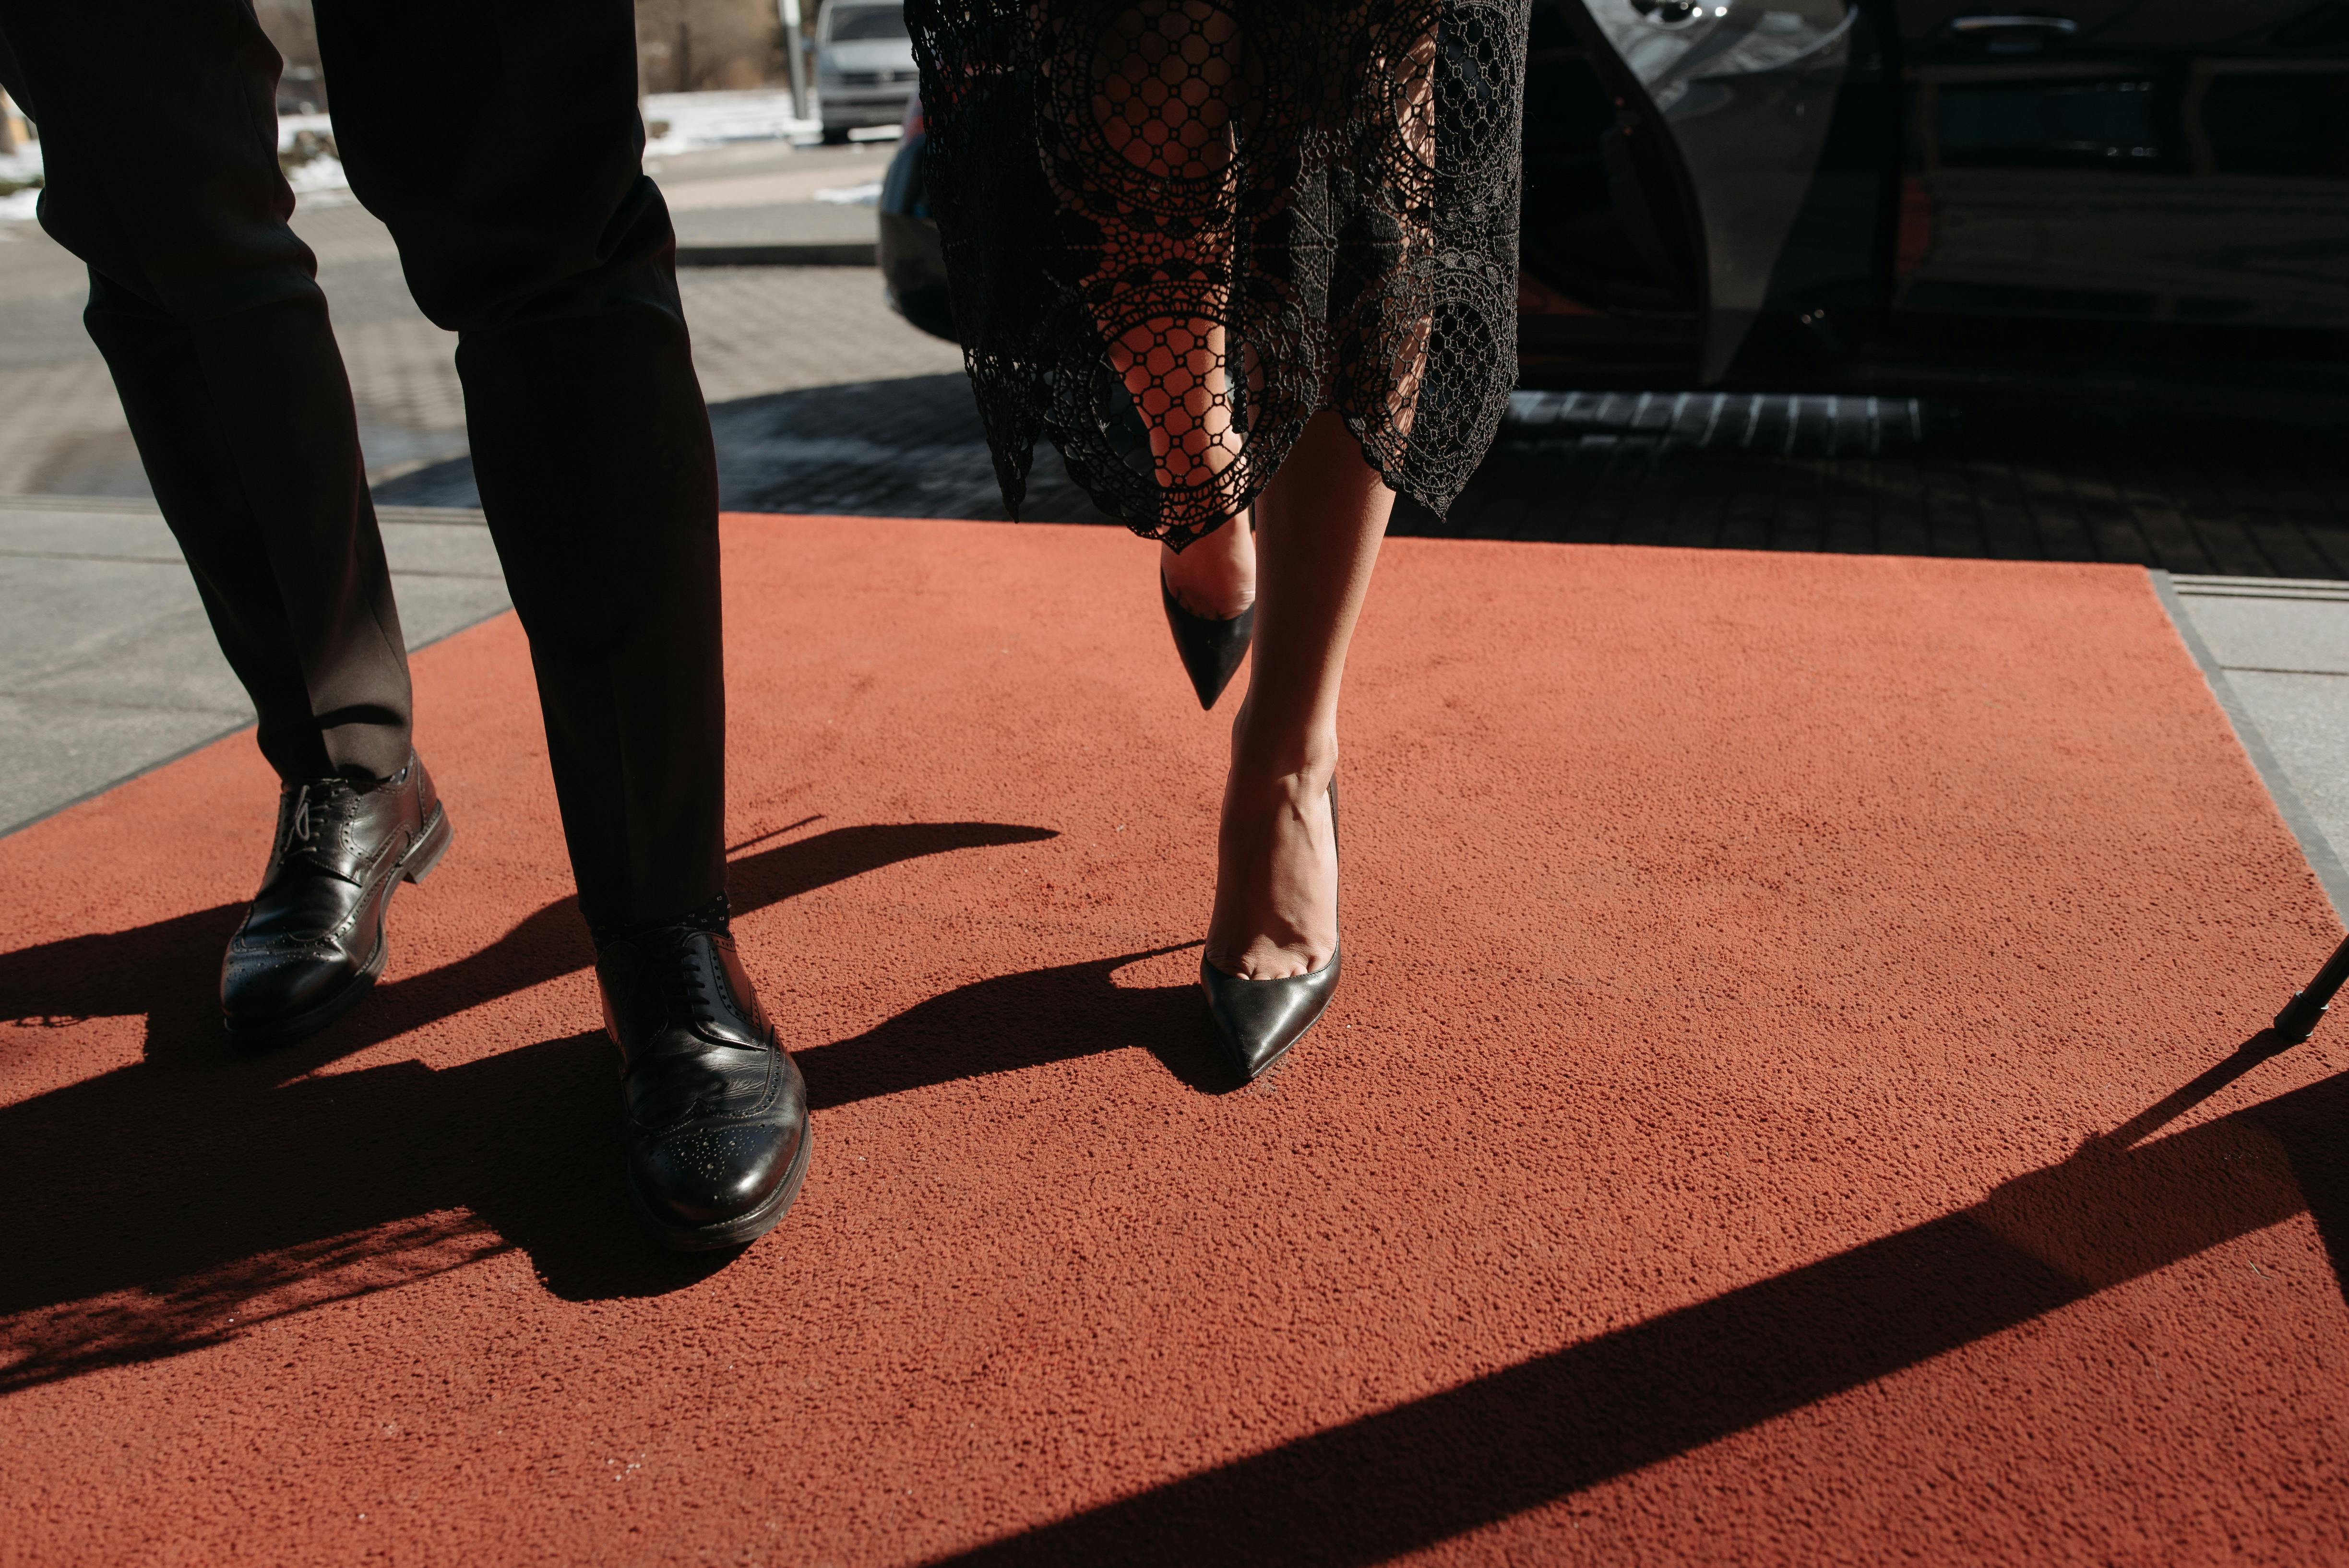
x,y
757,330
2017,482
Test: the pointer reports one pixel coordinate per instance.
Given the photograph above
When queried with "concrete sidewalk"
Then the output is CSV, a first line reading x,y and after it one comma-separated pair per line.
x,y
2277,652
754,205
107,666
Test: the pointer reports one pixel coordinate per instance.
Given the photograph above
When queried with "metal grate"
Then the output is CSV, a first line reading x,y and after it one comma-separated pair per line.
x,y
1786,424
2199,586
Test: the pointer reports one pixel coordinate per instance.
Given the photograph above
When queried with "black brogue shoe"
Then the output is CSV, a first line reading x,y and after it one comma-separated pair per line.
x,y
715,1112
315,940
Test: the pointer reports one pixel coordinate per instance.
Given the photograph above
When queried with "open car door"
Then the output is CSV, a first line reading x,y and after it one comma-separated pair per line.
x,y
1611,284
1771,127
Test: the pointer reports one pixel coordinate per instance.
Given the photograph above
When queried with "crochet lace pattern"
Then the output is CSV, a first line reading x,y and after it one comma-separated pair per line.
x,y
1175,229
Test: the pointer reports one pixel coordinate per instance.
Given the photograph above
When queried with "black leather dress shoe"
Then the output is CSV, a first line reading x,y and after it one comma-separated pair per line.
x,y
1211,649
311,945
1258,1020
715,1112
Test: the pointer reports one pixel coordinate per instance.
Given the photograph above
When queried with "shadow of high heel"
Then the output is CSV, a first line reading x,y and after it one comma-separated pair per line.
x,y
1008,1022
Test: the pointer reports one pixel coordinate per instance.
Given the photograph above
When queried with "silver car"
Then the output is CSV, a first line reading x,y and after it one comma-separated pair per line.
x,y
864,64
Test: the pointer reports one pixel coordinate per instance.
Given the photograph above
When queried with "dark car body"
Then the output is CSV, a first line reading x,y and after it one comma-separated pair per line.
x,y
913,260
2103,198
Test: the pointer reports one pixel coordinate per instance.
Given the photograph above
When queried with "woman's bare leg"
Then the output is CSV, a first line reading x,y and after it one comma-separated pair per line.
x,y
1166,102
1319,523
1162,99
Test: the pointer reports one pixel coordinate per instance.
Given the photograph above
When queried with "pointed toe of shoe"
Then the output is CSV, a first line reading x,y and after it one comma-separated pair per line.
x,y
1258,1020
1211,649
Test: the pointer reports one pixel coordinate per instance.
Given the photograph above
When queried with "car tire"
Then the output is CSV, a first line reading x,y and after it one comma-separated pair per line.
x,y
835,135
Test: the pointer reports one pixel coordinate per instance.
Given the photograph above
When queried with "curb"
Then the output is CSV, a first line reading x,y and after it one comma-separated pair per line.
x,y
2314,846
833,254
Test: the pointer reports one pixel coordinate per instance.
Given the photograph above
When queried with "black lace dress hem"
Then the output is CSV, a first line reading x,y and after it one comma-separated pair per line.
x,y
1176,229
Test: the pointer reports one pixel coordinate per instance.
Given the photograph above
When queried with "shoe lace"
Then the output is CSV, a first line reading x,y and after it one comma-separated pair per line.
x,y
309,816
686,986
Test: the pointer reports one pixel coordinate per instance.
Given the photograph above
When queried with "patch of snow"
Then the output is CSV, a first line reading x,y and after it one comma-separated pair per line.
x,y
290,126
19,168
866,195
714,119
321,183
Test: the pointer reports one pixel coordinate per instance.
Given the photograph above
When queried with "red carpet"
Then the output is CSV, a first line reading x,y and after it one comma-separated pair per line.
x,y
1781,1109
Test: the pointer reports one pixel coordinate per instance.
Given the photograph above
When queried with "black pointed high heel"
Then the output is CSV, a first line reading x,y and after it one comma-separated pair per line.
x,y
1211,648
1258,1020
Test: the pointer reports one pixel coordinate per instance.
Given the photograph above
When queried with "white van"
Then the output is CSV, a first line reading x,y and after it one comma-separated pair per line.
x,y
864,64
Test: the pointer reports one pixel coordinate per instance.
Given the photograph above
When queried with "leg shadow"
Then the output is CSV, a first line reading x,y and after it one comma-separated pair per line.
x,y
1423,1472
146,1210
231,1196
201,1191
169,971
1014,1021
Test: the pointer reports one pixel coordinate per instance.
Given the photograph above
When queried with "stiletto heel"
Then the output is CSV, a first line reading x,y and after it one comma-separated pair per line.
x,y
1258,1020
1211,648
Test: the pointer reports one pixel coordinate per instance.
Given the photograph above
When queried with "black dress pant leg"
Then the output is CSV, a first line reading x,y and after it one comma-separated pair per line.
x,y
499,141
159,136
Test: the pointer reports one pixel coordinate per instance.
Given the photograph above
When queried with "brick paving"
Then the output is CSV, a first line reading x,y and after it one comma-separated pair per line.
x,y
758,331
2207,496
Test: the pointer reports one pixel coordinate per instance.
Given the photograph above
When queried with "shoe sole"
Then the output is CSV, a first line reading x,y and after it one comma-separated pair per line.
x,y
735,1232
414,866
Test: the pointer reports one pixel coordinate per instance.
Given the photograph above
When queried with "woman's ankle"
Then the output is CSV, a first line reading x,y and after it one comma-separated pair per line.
x,y
1277,759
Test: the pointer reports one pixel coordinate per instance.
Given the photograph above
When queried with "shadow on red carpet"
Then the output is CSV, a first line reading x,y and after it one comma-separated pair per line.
x,y
1438,1467
234,1185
